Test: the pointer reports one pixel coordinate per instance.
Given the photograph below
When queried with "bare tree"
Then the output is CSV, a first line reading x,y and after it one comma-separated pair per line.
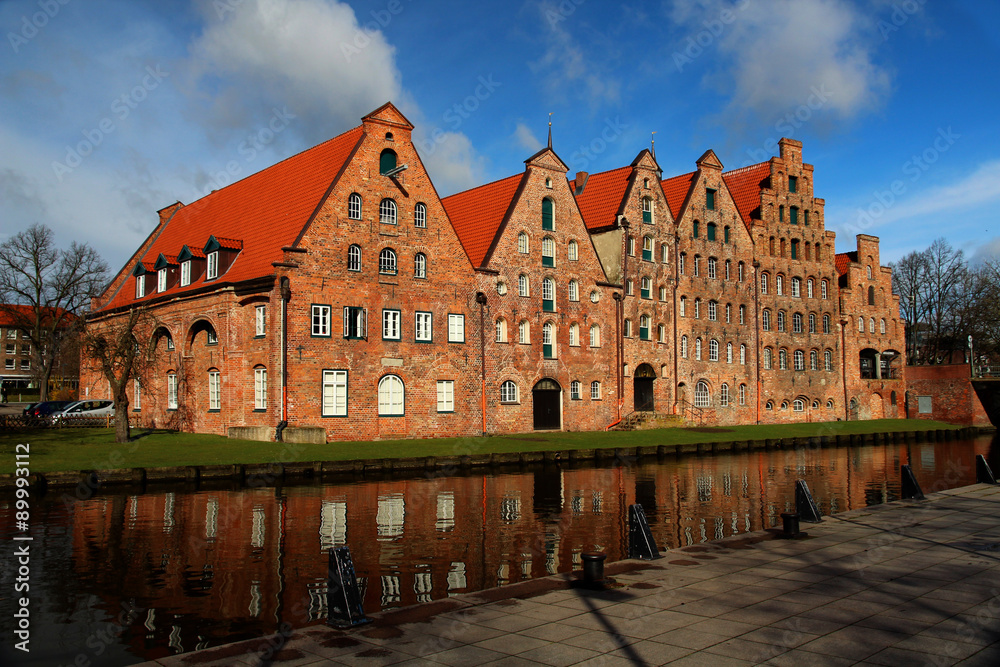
x,y
909,281
120,349
44,291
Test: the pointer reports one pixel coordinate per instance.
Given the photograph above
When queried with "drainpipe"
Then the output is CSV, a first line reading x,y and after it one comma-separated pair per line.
x,y
677,280
286,294
481,300
618,357
843,367
756,329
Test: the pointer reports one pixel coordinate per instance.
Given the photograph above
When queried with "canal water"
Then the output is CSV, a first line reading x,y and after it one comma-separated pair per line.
x,y
139,574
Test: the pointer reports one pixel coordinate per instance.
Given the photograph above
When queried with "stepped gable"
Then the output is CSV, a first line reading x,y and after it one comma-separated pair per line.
x,y
745,185
676,191
477,215
602,196
260,214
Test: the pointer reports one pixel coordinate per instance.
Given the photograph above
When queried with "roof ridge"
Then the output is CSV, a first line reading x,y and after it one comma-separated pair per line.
x,y
748,167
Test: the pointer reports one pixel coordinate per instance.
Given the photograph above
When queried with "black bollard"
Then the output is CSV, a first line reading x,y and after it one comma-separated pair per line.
x,y
789,524
910,486
983,473
804,503
593,568
640,537
343,598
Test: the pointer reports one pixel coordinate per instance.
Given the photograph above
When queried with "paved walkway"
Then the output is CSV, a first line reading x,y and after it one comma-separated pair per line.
x,y
908,583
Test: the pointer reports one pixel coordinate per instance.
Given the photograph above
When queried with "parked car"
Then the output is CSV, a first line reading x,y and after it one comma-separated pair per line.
x,y
28,408
46,409
89,408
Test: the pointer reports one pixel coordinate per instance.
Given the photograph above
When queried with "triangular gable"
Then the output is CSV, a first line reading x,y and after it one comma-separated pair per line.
x,y
709,159
676,190
222,243
745,185
390,115
163,261
547,159
602,199
477,215
142,269
646,159
187,253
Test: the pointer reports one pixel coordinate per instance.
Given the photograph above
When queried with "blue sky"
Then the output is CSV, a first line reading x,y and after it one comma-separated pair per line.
x,y
112,110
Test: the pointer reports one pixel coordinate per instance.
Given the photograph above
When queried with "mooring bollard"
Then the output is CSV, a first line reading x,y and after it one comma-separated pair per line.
x,y
909,486
640,538
343,598
983,473
804,503
593,567
789,524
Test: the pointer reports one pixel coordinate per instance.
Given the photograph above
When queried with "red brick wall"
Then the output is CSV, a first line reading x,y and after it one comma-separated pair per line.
x,y
953,398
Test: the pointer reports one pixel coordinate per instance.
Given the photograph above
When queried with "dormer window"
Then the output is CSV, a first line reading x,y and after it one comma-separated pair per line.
x,y
212,270
161,280
140,286
185,273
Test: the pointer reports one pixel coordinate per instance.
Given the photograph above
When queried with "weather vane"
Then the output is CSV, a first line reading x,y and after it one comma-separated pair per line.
x,y
550,129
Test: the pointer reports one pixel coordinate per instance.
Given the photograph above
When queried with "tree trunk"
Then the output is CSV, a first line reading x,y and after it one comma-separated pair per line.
x,y
123,432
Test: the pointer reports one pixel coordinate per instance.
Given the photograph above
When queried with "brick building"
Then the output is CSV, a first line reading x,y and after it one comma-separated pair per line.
x,y
337,290
22,360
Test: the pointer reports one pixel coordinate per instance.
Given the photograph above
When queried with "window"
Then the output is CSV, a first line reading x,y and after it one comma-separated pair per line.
x,y
211,338
522,243
694,229
724,395
712,267
793,215
420,265
799,360
456,328
501,330
140,286
809,288
644,327
711,231
713,350
826,324
391,396
523,333
822,289
743,394
630,246
11,334
136,395
661,333
548,222
355,322
792,184
828,360
779,284
548,251
664,253
11,348
354,257
260,388
574,291
869,271
861,325
212,270
646,288
796,287
728,269
743,354
684,347
725,236
795,248
387,262
420,216
386,161
595,391
697,349
871,295
508,392
320,320
765,320
729,353
767,358
574,335
161,280
574,390
572,251
871,325
390,324
354,206
680,263
743,314
595,335
446,395
763,283
713,308
881,326
702,398
171,391
548,341
387,212
627,328
214,390
522,285
548,295
797,323
697,265
170,342
185,273
663,293
697,309
798,405
629,287
334,393
783,360
647,210
683,306
813,360
781,320
710,199
812,323
729,313
739,271
260,320
422,328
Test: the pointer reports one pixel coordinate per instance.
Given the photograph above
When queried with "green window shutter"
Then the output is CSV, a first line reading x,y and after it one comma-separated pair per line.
x,y
547,351
547,214
548,261
644,293
793,215
549,305
805,218
710,199
795,248
781,214
792,183
696,229
726,233
647,216
711,232
387,161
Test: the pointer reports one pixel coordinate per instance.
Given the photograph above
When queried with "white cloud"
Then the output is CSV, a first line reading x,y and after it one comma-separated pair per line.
x,y
526,138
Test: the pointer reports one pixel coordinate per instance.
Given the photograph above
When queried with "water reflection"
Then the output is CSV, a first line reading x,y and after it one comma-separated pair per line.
x,y
205,566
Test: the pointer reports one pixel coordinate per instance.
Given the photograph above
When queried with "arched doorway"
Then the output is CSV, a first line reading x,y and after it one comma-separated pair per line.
x,y
546,402
642,388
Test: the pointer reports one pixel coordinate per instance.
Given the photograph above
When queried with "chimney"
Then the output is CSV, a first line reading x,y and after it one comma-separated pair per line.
x,y
581,181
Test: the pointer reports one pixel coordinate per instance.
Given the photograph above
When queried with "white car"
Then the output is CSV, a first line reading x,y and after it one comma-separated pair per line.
x,y
89,409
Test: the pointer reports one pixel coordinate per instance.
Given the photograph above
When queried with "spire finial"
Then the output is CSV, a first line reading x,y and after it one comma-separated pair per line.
x,y
652,141
550,129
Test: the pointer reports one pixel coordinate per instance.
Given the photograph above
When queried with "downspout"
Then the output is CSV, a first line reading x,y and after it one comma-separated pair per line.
x,y
481,300
756,329
677,280
843,365
618,357
283,360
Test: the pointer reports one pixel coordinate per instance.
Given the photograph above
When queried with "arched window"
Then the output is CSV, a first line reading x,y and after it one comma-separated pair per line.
x,y
354,206
501,330
661,333
664,253
779,284
710,229
769,405
881,326
869,271
644,327
702,398
765,320
420,265
548,251
712,264
420,216
595,335
523,333
818,246
595,391
871,295
871,325
743,314
684,347
572,252
782,360
647,210
508,392
646,288
259,390
724,395
627,328
387,212
729,313
713,350
763,283
697,265
680,262
574,290
391,396
767,358
548,295
799,359
861,325
781,320
798,405
387,261
713,309
828,360
354,258
574,335
739,271
697,309
548,340
387,161
630,246
823,289
796,287
729,353
647,248
522,285
683,306
743,354
629,287
826,323
729,266
574,390
548,214
813,360
697,349
809,288
743,394
797,323
522,243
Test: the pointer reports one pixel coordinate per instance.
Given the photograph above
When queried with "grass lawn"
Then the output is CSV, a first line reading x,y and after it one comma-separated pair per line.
x,y
96,449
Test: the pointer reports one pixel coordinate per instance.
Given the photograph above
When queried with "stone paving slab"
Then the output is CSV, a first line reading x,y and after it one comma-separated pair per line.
x,y
906,583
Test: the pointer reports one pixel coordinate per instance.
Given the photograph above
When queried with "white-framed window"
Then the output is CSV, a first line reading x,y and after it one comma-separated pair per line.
x,y
629,287
595,391
739,272
627,328
712,267
767,358
523,246
630,246
646,287
456,328
548,340
823,289
664,253
422,326
391,396
171,391
508,392
548,251
871,325
680,263
728,269
420,216
320,320
881,326
387,261
697,309
663,293
136,394
743,394
354,206
185,273
781,320
25,364
523,333
391,324
260,388
798,405
647,248
260,320
574,290
644,327
765,319
697,349
140,286
796,287
813,360
713,350
799,360
335,393
861,325
729,353
743,354
797,323
779,284
572,251
724,395
420,265
809,288
574,390
702,397
826,323
445,395
212,265
647,210
387,212
713,311
161,280
684,347
355,322
828,360
683,306
501,330
661,333
354,257
763,283
729,313
522,286
697,265
548,294
595,335
782,360
8,364
574,335
214,390
812,323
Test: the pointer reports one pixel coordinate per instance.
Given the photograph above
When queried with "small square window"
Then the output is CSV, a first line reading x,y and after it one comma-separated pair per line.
x,y
456,328
390,324
320,320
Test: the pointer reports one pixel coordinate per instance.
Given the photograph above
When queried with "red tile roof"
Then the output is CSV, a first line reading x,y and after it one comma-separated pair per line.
x,y
676,191
842,260
260,214
745,185
477,214
16,314
602,197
